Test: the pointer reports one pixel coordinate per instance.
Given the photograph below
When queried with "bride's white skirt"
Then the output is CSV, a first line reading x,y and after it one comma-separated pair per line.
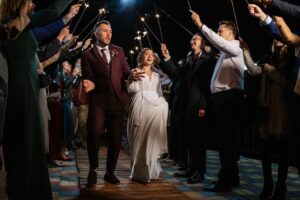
x,y
147,134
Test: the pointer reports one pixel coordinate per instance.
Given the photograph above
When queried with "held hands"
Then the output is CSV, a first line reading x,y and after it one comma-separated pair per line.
x,y
201,113
268,68
196,18
88,85
136,74
257,12
165,52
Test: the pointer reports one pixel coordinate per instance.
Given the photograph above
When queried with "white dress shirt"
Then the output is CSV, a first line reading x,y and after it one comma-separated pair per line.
x,y
106,51
229,70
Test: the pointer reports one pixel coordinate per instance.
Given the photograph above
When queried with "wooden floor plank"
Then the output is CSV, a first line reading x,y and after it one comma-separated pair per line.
x,y
127,190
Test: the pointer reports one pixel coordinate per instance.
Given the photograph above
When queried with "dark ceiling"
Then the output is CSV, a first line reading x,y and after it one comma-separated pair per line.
x,y
125,21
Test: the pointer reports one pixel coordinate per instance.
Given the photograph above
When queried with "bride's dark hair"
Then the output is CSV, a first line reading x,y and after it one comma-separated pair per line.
x,y
140,58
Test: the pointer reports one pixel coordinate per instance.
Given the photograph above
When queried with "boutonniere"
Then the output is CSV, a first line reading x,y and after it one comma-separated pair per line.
x,y
113,53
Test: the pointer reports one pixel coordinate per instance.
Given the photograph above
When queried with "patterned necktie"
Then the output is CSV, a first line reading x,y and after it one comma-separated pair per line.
x,y
104,55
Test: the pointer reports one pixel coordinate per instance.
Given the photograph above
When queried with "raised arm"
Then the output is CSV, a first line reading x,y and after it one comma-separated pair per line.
x,y
168,66
289,37
282,8
265,21
49,14
217,41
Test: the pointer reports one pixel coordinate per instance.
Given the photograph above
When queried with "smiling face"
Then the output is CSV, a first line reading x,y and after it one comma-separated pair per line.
x,y
103,34
196,43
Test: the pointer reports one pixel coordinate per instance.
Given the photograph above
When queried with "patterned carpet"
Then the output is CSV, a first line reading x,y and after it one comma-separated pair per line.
x,y
65,182
250,185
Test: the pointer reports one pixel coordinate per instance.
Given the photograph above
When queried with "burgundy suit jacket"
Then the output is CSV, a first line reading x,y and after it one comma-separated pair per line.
x,y
95,69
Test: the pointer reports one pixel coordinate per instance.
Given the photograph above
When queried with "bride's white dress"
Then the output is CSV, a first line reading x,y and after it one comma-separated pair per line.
x,y
147,127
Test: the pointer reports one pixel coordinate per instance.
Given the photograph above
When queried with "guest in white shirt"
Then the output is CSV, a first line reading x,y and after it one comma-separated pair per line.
x,y
227,97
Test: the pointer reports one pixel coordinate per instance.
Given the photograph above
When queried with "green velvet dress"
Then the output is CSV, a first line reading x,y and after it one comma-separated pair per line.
x,y
23,142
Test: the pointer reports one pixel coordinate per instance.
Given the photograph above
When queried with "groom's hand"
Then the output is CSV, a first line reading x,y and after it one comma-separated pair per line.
x,y
136,74
88,85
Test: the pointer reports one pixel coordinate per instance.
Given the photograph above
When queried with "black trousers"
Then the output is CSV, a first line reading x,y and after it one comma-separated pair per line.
x,y
196,145
108,116
228,107
294,111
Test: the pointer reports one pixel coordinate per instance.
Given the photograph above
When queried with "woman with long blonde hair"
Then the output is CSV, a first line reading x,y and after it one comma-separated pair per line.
x,y
147,121
23,139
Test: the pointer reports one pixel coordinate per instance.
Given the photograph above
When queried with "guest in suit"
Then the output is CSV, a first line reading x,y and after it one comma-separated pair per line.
x,y
191,106
104,70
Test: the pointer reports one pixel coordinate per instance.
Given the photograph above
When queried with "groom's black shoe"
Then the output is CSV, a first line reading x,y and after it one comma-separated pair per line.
x,y
92,178
111,178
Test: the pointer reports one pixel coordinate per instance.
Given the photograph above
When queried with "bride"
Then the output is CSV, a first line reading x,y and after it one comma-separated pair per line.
x,y
147,121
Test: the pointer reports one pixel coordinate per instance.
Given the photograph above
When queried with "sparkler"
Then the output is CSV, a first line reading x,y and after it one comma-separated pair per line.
x,y
101,12
174,20
151,31
158,22
86,5
235,18
189,4
138,38
145,34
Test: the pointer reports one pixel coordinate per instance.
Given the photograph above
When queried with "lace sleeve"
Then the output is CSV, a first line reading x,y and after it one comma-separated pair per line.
x,y
254,70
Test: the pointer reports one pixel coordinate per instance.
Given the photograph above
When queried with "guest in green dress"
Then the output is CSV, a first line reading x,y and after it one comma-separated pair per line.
x,y
23,140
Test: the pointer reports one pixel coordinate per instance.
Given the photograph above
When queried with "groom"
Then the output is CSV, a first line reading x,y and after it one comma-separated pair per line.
x,y
104,72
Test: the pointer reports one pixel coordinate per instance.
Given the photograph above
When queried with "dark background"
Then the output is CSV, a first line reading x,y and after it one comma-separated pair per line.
x,y
125,22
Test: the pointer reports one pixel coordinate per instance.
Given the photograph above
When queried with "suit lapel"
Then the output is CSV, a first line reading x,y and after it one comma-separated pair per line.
x,y
199,62
112,58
